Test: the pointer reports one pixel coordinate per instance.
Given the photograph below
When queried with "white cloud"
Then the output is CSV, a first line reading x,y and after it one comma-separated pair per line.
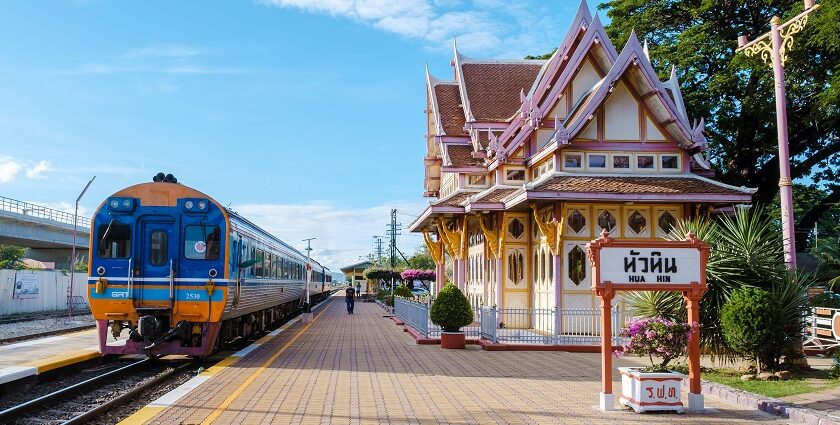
x,y
175,51
37,172
434,22
343,234
11,167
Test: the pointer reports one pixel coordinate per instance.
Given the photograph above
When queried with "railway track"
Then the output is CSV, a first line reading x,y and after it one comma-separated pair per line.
x,y
40,316
84,401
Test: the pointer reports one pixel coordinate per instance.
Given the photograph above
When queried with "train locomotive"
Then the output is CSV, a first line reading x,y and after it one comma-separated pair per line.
x,y
172,271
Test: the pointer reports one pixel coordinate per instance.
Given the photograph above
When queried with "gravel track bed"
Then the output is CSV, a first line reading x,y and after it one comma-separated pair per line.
x,y
118,414
58,382
9,330
92,397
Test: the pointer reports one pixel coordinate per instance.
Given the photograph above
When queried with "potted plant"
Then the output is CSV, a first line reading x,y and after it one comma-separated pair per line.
x,y
451,311
654,387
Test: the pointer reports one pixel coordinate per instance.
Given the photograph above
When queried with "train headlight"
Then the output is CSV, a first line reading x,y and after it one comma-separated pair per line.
x,y
194,204
121,204
100,270
213,273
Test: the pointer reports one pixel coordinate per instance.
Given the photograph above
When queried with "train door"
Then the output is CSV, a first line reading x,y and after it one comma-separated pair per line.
x,y
158,262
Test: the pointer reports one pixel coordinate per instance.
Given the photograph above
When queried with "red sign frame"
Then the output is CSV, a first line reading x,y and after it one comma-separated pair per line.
x,y
692,293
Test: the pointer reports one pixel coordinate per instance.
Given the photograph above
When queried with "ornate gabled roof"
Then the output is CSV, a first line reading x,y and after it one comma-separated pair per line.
x,y
445,100
461,156
633,67
493,87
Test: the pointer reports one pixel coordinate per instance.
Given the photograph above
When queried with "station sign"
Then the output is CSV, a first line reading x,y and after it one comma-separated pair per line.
x,y
663,265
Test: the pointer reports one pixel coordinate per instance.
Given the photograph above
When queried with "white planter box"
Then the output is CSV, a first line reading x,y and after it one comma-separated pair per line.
x,y
648,391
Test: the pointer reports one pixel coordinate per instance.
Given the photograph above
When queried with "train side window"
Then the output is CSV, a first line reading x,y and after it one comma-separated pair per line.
x,y
114,241
158,248
258,267
202,242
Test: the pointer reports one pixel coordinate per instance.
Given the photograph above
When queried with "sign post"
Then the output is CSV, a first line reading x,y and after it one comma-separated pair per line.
x,y
629,265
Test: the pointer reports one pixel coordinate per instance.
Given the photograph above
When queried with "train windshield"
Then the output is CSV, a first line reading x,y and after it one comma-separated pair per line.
x,y
201,242
114,240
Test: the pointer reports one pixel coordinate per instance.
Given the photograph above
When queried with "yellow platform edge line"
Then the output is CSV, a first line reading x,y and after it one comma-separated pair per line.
x,y
141,416
56,362
146,413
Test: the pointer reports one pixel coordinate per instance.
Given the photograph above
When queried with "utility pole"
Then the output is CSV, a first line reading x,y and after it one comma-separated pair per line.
x,y
307,315
393,230
772,47
377,248
73,252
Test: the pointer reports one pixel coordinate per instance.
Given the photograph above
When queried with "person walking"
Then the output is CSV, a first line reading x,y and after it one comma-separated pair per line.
x,y
358,289
349,297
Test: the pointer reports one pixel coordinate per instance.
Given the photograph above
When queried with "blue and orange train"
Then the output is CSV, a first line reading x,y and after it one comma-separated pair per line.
x,y
172,271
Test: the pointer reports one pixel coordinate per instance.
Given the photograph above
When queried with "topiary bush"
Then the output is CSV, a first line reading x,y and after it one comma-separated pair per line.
x,y
451,310
751,325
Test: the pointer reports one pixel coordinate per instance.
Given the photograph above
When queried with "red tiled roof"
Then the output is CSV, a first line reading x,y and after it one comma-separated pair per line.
x,y
461,156
496,195
451,114
457,200
627,184
493,88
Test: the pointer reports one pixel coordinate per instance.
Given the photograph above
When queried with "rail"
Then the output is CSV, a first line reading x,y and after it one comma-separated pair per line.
x,y
38,211
520,325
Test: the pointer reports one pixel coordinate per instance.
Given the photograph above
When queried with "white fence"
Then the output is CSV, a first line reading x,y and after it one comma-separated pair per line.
x,y
35,291
531,326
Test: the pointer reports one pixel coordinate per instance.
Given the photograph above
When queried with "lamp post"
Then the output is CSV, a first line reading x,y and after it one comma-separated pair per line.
x,y
307,315
73,252
773,48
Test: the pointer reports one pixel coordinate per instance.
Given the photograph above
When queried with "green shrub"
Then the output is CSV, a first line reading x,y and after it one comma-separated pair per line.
x,y
750,322
385,297
451,310
402,291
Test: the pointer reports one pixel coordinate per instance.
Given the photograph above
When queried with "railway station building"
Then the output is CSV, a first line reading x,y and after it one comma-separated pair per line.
x,y
528,160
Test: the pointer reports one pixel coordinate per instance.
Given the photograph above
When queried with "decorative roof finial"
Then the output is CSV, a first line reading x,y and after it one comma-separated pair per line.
x,y
646,50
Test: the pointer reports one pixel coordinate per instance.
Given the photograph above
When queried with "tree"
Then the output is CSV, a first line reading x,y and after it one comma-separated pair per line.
x,y
421,260
11,257
735,93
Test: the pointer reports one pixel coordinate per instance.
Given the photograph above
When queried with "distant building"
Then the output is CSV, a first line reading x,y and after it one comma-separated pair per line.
x,y
355,273
528,160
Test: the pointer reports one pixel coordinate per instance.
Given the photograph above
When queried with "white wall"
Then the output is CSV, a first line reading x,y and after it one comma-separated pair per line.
x,y
52,291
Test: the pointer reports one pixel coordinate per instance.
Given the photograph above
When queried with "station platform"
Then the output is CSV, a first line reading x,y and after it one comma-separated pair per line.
x,y
28,358
361,368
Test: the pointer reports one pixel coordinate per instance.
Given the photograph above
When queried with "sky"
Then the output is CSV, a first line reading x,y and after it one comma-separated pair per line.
x,y
305,116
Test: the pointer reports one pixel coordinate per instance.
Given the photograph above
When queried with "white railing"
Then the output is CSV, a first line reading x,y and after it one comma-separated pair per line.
x,y
32,210
519,325
548,326
820,330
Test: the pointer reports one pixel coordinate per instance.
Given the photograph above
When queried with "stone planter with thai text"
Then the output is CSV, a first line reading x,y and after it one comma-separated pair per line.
x,y
651,391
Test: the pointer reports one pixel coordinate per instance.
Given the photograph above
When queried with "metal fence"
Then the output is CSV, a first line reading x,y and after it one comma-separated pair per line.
x,y
548,326
519,325
38,211
820,328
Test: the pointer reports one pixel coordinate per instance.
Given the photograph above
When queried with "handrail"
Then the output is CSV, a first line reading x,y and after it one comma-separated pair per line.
x,y
38,211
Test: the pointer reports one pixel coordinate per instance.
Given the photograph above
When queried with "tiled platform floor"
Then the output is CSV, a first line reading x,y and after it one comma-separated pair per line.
x,y
344,369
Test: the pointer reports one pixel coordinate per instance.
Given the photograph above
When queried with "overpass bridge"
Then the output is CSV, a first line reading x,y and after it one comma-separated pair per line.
x,y
47,233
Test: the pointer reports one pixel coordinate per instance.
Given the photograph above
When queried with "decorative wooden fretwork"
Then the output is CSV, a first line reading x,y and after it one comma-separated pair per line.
x,y
435,246
551,229
455,239
492,236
